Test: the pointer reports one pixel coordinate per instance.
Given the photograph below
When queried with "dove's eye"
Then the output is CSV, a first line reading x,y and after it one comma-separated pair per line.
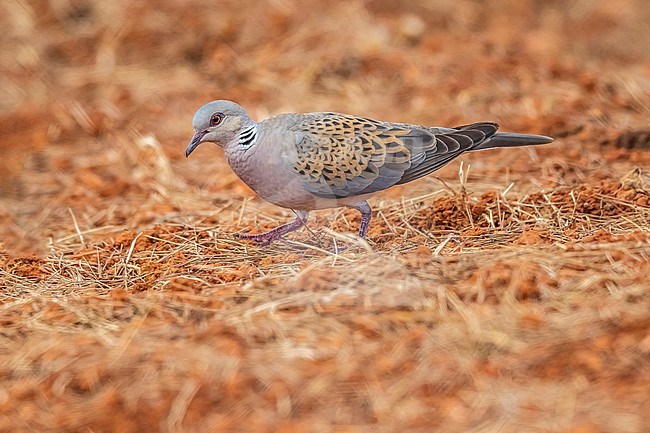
x,y
216,119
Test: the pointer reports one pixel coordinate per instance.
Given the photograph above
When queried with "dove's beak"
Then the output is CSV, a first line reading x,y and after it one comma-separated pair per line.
x,y
194,143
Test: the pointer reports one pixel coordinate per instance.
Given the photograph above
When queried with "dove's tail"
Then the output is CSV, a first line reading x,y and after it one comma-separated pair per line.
x,y
513,139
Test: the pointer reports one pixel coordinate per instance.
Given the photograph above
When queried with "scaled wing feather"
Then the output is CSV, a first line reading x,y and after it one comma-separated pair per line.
x,y
343,156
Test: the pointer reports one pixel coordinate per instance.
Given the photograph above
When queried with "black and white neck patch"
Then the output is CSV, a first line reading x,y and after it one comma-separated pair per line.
x,y
248,136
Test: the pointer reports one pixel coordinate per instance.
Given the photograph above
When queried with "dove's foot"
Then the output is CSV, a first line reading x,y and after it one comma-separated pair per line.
x,y
271,236
366,216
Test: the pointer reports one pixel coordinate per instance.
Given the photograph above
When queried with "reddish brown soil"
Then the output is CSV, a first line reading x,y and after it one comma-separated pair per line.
x,y
507,292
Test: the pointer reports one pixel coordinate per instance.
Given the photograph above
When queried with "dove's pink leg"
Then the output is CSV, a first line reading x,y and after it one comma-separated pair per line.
x,y
273,235
366,216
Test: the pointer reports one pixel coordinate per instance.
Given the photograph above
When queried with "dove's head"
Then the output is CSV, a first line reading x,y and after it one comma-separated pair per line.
x,y
218,122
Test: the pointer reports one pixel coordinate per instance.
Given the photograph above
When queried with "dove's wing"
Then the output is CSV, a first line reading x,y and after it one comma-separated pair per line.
x,y
343,156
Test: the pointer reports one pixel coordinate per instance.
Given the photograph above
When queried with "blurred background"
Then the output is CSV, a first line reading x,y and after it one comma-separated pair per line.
x,y
97,97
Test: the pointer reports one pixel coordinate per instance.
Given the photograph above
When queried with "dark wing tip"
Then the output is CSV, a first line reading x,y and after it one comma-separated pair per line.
x,y
487,128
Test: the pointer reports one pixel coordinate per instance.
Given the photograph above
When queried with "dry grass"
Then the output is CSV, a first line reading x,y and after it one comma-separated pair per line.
x,y
506,295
